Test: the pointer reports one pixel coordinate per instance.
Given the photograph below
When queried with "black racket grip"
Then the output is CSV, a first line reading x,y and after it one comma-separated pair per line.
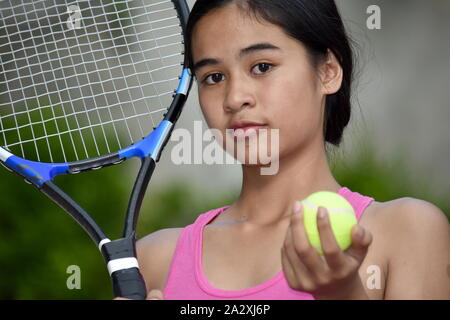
x,y
128,283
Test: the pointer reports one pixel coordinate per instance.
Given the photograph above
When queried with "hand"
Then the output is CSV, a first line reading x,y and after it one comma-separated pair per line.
x,y
155,295
331,276
152,295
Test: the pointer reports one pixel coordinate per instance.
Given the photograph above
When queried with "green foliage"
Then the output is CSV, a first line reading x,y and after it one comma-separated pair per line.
x,y
39,241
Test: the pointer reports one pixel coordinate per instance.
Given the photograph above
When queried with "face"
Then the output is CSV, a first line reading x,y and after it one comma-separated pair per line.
x,y
251,74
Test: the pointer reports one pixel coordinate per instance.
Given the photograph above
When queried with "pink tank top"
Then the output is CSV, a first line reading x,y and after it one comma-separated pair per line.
x,y
186,280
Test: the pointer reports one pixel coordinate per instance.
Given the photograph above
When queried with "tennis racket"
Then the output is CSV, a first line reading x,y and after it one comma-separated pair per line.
x,y
89,84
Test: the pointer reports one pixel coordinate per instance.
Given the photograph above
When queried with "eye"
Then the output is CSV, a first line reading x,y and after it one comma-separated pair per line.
x,y
214,78
261,68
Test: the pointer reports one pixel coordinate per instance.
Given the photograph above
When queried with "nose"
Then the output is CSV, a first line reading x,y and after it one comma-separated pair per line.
x,y
239,94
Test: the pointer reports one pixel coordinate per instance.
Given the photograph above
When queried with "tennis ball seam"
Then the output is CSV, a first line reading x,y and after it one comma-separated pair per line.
x,y
313,206
342,217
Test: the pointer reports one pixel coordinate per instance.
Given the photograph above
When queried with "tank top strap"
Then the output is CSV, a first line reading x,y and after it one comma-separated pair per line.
x,y
358,201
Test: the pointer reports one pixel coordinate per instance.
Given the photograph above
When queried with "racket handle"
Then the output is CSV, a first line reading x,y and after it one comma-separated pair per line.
x,y
120,256
128,283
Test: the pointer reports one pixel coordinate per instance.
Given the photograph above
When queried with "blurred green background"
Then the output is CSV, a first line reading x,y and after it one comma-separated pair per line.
x,y
39,241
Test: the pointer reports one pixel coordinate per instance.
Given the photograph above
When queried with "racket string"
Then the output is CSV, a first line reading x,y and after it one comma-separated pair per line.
x,y
15,119
81,128
115,90
93,90
63,109
81,112
157,46
97,51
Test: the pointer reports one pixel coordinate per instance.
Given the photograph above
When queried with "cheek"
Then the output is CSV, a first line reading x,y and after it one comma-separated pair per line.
x,y
295,109
210,109
213,113
292,103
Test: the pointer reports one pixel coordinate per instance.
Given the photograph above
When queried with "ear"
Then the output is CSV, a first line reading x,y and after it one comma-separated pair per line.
x,y
331,74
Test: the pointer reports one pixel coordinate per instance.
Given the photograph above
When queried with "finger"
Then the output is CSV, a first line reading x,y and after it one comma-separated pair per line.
x,y
294,268
288,253
303,248
361,240
332,253
288,271
298,269
155,295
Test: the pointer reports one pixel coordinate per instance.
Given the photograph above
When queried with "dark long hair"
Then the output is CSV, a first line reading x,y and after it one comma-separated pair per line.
x,y
317,24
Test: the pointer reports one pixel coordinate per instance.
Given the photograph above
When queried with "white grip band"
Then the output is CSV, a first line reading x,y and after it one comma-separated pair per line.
x,y
121,264
101,243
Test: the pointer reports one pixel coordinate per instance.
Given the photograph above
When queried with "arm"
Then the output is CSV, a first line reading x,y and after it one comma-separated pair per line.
x,y
154,254
419,254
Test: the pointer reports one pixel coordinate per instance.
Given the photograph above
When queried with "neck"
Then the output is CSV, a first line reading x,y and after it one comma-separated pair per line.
x,y
266,200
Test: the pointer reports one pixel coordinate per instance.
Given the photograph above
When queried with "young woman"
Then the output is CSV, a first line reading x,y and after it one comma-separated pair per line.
x,y
287,65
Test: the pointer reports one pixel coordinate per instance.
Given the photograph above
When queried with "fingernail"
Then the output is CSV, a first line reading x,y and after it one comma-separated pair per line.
x,y
297,206
321,213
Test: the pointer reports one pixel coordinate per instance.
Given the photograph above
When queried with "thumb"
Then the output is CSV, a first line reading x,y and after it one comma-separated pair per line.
x,y
155,295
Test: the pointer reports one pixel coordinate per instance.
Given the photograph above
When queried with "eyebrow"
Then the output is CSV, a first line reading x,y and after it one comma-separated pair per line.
x,y
244,52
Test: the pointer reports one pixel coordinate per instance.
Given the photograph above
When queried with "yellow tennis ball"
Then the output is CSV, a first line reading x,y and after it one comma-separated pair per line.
x,y
340,214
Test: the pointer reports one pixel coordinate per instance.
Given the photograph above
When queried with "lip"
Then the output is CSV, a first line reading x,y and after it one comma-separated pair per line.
x,y
246,125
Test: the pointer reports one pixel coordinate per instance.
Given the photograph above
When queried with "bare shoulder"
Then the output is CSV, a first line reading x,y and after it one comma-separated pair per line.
x,y
415,241
408,214
155,252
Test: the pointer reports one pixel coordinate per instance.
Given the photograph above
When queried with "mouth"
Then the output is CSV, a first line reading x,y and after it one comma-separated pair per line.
x,y
244,128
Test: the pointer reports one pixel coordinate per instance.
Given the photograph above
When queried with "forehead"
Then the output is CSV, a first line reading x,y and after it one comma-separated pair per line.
x,y
229,29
